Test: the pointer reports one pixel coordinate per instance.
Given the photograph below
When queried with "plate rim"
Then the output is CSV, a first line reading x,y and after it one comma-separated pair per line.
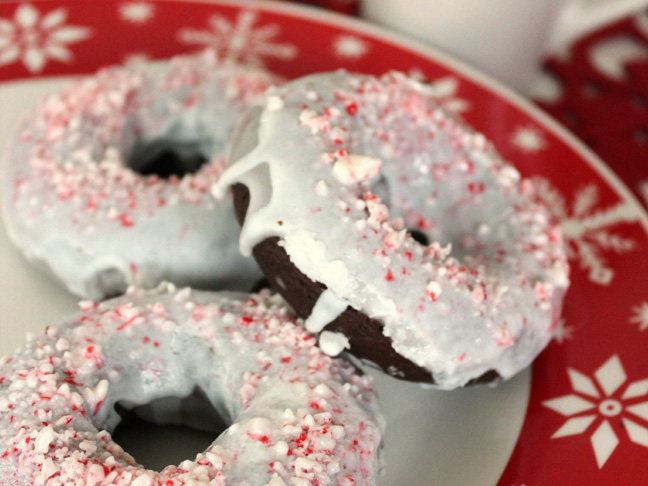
x,y
496,89
504,94
432,53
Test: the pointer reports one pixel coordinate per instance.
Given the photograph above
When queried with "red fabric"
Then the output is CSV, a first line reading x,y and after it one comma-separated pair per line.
x,y
343,6
610,115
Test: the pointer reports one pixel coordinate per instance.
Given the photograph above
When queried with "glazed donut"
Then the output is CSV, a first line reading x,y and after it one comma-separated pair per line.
x,y
91,193
297,416
336,174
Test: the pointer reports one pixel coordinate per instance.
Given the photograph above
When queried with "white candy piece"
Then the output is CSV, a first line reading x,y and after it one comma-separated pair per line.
x,y
351,169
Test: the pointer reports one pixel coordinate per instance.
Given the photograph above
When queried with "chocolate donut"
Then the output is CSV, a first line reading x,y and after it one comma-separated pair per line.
x,y
337,176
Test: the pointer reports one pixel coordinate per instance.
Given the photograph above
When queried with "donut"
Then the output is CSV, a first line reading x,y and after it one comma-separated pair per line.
x,y
295,415
396,229
107,182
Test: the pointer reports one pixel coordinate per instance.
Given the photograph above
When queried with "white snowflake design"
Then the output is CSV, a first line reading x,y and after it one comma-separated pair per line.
x,y
138,12
586,229
595,403
444,91
528,139
563,332
350,47
33,38
640,316
241,41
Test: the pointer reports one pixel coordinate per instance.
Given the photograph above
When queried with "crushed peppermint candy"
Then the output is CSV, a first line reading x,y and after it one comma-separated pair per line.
x,y
80,194
299,416
353,168
441,241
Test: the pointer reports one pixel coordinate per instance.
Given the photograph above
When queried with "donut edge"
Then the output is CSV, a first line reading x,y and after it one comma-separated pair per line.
x,y
366,339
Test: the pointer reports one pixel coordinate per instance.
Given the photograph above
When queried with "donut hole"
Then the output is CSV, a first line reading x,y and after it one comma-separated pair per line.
x,y
166,158
437,189
168,430
419,237
106,283
261,284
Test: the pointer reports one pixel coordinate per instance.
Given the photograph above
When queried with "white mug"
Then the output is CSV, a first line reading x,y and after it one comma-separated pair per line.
x,y
504,38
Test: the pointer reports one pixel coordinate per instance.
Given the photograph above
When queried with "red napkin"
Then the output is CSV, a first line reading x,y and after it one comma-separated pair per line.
x,y
604,97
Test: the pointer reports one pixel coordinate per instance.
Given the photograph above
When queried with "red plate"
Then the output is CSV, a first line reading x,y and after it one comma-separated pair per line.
x,y
586,419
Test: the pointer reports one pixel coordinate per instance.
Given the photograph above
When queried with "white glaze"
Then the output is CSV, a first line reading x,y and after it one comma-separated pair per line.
x,y
327,308
73,207
333,343
484,295
296,414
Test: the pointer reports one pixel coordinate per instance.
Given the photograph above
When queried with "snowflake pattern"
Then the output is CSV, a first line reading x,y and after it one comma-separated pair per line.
x,y
640,316
587,230
137,12
33,38
528,139
241,41
563,332
350,47
597,401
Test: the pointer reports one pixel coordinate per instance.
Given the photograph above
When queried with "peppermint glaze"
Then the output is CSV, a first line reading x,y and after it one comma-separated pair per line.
x,y
340,166
74,206
297,417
